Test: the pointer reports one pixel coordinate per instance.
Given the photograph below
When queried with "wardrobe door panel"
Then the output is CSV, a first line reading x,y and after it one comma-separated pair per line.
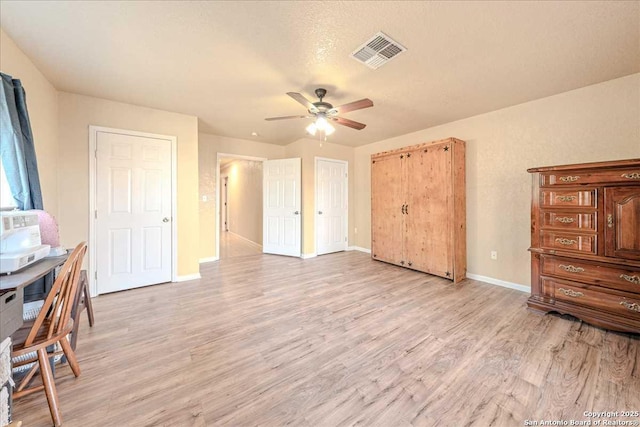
x,y
428,245
387,207
622,216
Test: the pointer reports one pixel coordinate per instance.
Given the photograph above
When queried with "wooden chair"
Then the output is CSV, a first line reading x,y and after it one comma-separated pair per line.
x,y
81,303
52,326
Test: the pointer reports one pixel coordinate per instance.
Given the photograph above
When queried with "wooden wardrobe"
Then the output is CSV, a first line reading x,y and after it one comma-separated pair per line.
x,y
418,215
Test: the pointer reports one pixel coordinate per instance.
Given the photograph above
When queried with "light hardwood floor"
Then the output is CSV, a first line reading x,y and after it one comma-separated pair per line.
x,y
335,340
232,245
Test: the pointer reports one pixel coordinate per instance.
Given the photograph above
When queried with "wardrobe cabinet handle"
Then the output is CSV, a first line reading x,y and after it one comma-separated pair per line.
x,y
571,268
632,306
565,220
566,198
571,293
566,242
634,175
632,279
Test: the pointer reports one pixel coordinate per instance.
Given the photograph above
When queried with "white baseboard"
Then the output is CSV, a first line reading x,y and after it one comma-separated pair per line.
x,y
188,277
307,256
498,282
245,239
210,259
358,248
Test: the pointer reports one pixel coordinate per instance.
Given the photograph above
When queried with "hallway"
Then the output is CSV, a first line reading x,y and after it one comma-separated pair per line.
x,y
232,245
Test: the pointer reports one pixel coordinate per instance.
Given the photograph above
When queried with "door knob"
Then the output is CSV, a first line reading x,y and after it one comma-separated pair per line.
x,y
319,212
165,219
296,213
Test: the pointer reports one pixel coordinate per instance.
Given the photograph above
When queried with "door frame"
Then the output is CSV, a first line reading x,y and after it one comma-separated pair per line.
x,y
93,182
225,207
218,190
315,199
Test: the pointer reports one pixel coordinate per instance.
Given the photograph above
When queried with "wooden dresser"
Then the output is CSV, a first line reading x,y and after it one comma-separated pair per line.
x,y
585,242
418,216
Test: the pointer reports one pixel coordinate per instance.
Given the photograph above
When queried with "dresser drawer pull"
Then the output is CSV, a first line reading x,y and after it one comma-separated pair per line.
x,y
565,219
571,293
566,242
571,268
632,306
569,178
566,198
633,279
634,175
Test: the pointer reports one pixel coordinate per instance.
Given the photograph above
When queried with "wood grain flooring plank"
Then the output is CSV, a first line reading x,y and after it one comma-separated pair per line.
x,y
334,340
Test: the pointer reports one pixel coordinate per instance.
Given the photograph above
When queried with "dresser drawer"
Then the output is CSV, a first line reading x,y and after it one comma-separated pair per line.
x,y
560,198
569,221
575,177
591,296
580,243
623,279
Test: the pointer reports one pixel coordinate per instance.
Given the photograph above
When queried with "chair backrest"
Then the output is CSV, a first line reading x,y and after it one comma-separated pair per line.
x,y
59,303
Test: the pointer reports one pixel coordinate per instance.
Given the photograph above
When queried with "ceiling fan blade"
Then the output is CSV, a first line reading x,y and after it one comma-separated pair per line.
x,y
350,123
352,106
288,117
302,100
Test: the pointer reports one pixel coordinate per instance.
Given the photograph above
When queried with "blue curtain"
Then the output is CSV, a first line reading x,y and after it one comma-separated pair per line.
x,y
16,145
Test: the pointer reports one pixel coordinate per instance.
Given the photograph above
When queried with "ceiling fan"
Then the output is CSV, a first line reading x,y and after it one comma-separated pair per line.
x,y
325,112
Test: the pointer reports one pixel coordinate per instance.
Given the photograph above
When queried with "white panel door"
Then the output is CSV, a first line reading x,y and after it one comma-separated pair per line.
x,y
133,211
331,206
282,207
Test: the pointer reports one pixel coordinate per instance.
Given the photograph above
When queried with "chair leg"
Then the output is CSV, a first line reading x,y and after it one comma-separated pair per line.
x,y
88,304
49,386
75,330
84,283
71,356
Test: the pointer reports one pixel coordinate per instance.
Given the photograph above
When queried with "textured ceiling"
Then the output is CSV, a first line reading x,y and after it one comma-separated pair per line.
x,y
231,63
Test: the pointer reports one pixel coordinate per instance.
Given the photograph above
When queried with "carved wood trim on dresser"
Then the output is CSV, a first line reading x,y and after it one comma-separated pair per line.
x,y
585,242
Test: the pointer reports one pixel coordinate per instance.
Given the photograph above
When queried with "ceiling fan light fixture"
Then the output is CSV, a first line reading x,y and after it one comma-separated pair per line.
x,y
323,112
312,129
328,129
321,122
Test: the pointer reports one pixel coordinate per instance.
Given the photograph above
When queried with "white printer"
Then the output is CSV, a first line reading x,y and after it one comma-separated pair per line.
x,y
20,243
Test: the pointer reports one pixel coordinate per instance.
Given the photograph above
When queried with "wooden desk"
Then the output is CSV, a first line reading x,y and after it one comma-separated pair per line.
x,y
30,274
11,287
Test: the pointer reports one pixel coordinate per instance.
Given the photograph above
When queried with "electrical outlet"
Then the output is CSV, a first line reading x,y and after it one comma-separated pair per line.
x,y
494,255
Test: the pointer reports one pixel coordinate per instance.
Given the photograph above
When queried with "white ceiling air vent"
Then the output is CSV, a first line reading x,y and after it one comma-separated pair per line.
x,y
378,50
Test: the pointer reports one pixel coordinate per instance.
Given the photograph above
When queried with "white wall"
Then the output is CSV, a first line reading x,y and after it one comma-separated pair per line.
x,y
76,114
595,123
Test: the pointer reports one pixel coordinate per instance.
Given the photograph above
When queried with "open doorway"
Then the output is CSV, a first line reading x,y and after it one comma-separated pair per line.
x,y
239,219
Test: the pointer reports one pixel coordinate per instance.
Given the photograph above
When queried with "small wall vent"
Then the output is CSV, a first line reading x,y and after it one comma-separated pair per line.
x,y
377,51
